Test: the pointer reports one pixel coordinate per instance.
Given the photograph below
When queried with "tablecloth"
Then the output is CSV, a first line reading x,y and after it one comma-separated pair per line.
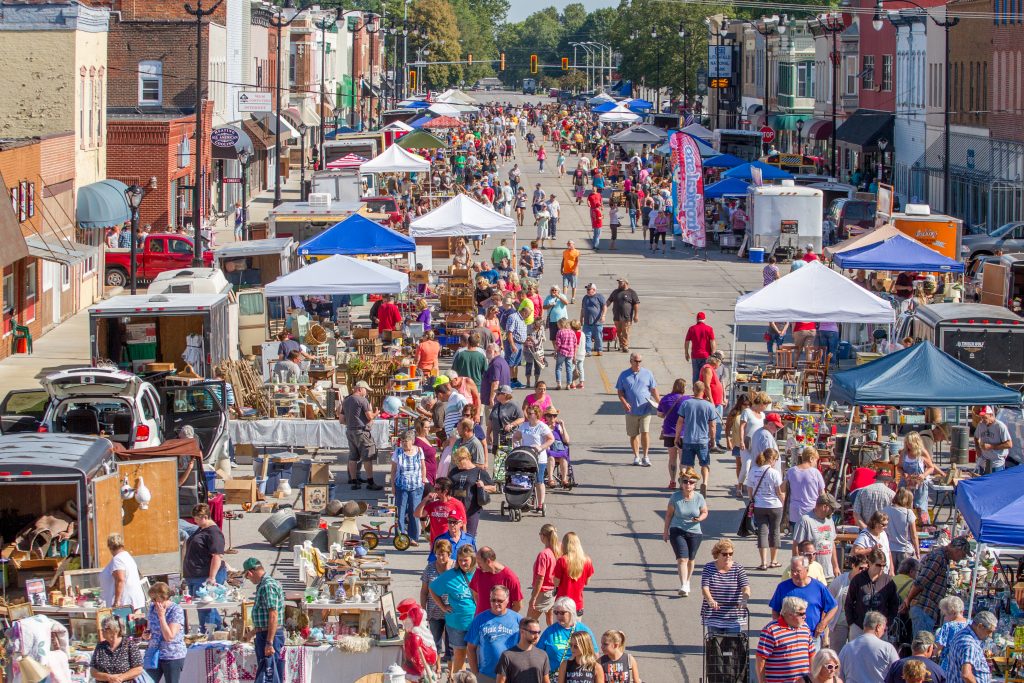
x,y
236,663
329,434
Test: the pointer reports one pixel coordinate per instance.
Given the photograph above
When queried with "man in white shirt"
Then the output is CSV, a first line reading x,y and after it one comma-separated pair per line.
x,y
866,658
555,209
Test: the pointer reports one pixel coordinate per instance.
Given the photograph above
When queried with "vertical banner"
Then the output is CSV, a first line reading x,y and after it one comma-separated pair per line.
x,y
688,181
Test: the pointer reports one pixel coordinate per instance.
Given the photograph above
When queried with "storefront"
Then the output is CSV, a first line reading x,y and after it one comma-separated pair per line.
x,y
859,139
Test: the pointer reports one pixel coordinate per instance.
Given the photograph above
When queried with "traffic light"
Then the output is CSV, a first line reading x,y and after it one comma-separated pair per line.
x,y
412,79
502,61
469,59
533,64
565,63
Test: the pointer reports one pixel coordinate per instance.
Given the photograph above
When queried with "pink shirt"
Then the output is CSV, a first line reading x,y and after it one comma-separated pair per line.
x,y
544,567
565,343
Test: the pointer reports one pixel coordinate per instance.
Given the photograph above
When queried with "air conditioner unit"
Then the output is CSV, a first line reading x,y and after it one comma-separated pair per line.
x,y
320,200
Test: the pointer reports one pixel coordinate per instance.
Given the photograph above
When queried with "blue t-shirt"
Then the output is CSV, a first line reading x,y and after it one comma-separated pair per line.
x,y
696,414
453,588
490,275
464,539
556,308
636,387
591,308
819,600
492,635
555,641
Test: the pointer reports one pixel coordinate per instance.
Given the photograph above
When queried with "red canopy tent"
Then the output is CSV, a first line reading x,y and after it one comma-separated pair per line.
x,y
444,122
347,161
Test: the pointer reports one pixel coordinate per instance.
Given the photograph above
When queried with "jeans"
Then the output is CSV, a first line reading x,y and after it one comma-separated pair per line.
x,y
597,238
696,364
593,333
552,227
921,620
632,220
577,366
774,341
719,429
830,340
541,162
170,670
208,616
563,362
406,502
262,675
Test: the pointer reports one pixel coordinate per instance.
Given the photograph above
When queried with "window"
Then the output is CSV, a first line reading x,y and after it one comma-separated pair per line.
x,y
91,106
151,82
887,73
149,410
9,297
99,108
184,153
30,280
180,247
851,75
81,109
805,80
867,81
65,277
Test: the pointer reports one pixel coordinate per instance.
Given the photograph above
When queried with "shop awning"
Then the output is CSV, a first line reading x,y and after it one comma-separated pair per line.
x,y
272,122
58,250
222,135
309,115
865,127
102,205
261,138
294,116
12,242
788,121
820,129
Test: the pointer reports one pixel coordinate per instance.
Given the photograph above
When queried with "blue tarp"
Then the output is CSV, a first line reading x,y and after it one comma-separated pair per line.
x,y
921,375
357,235
330,135
993,507
723,161
897,253
767,172
727,187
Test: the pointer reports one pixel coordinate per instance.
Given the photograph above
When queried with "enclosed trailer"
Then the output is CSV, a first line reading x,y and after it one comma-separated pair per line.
x,y
784,218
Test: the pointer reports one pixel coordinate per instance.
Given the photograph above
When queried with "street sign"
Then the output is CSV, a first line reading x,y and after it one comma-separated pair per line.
x,y
231,180
255,102
719,61
224,137
767,134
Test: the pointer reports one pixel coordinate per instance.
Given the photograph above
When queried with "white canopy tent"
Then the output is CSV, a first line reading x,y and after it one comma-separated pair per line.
x,y
455,96
396,160
339,275
620,114
460,217
444,109
399,126
601,98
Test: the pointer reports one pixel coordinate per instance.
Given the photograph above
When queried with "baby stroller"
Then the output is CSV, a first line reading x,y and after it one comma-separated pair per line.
x,y
520,477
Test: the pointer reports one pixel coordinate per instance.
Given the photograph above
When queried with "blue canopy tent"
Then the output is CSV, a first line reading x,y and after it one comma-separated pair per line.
x,y
357,235
723,161
768,172
897,253
727,187
640,104
605,107
418,123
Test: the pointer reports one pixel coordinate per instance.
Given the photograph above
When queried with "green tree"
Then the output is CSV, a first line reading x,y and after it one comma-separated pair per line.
x,y
438,20
477,38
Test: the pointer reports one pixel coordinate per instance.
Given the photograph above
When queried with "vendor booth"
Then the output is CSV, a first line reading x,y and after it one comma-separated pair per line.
x,y
619,114
357,236
899,253
727,187
340,275
396,160
723,161
868,238
746,172
461,216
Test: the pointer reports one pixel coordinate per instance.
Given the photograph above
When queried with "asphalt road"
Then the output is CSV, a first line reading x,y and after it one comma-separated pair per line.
x,y
617,508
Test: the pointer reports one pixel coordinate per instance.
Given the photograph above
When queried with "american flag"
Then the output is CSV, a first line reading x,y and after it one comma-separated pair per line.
x,y
687,119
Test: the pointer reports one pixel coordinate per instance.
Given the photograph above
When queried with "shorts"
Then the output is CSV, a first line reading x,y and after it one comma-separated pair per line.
x,y
546,601
690,453
637,424
670,441
737,452
542,471
684,543
360,446
569,280
456,638
515,359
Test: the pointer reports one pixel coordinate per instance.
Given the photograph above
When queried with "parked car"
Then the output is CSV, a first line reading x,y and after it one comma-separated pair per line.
x,y
1006,238
849,217
121,406
158,253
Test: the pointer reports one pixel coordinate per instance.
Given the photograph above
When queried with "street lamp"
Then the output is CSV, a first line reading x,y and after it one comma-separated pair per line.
x,y
882,144
945,24
243,158
134,195
654,37
686,66
800,137
832,24
302,161
324,25
277,21
767,27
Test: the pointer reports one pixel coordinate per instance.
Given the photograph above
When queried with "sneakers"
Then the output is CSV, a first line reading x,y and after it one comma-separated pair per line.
x,y
636,461
646,462
685,588
516,384
703,489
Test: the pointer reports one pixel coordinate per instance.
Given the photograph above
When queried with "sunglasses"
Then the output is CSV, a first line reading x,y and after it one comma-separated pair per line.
x,y
726,554
689,482
498,601
831,667
882,565
532,633
558,611
636,360
801,614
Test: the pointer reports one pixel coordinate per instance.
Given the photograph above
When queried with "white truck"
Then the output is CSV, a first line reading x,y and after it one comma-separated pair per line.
x,y
784,218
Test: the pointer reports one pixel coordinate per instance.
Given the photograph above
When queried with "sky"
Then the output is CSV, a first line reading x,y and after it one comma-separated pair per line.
x,y
520,9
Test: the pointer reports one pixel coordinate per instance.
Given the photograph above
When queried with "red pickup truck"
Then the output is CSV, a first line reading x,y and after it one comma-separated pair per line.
x,y
157,254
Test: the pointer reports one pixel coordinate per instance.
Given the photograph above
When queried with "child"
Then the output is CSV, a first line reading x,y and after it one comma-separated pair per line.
x,y
614,219
533,353
580,357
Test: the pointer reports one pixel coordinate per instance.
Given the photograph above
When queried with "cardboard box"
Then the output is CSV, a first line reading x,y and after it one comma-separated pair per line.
x,y
319,473
365,333
240,490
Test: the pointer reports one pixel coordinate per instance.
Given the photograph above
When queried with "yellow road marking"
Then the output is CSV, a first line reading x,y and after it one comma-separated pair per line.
x,y
604,375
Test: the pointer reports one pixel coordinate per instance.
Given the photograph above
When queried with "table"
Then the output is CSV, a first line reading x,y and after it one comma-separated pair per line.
x,y
229,662
327,434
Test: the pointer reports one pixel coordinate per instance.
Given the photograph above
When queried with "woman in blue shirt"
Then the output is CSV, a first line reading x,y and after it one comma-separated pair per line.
x,y
165,655
451,592
686,510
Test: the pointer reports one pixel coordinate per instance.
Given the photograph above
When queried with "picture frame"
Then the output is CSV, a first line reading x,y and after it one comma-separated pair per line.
x,y
35,590
21,610
389,615
315,497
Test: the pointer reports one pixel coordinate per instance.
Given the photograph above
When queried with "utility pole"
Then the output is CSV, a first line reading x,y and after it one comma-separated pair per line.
x,y
197,182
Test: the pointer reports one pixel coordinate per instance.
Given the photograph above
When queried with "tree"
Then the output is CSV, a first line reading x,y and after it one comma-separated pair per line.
x,y
574,81
438,20
477,38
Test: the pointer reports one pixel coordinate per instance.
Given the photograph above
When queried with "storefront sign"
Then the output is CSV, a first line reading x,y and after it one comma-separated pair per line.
x,y
224,137
255,102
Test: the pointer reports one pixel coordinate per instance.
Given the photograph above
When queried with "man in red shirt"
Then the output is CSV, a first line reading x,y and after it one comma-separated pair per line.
x,y
809,254
438,505
488,192
699,344
716,394
388,315
596,223
491,573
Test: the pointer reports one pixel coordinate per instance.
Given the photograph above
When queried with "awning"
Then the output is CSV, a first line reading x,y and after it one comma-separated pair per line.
x,y
12,242
102,205
261,138
271,123
294,116
788,121
820,129
229,142
309,115
755,109
58,250
865,127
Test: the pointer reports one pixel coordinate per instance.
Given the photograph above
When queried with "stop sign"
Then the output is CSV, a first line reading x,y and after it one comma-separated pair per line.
x,y
767,134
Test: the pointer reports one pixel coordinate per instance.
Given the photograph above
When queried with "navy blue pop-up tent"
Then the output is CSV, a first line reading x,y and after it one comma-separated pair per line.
x,y
723,161
899,253
993,507
357,235
921,375
768,172
727,187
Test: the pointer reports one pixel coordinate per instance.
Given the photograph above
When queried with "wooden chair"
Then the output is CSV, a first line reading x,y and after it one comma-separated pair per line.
x,y
785,362
812,356
817,375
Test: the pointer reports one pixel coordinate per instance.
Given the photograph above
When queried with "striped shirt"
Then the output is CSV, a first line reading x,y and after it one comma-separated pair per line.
x,y
966,649
726,589
409,468
786,651
932,578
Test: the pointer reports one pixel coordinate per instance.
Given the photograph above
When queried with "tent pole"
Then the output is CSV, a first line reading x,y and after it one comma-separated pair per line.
x,y
974,579
840,480
732,364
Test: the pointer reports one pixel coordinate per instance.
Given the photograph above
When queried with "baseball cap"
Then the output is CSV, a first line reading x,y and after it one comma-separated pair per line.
x,y
454,517
441,380
362,385
829,500
505,389
701,315
986,410
960,543
622,278
591,285
922,640
773,418
250,564
719,355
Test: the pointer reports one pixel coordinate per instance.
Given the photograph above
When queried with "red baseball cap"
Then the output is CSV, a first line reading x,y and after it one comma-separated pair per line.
x,y
701,315
773,418
986,410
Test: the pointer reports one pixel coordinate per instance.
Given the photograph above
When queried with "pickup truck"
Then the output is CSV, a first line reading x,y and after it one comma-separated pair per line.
x,y
158,253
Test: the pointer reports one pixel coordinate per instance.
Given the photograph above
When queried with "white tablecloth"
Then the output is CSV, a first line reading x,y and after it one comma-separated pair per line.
x,y
329,434
233,663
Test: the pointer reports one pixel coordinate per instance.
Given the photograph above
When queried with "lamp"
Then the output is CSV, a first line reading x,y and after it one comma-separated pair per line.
x,y
682,31
133,195
876,21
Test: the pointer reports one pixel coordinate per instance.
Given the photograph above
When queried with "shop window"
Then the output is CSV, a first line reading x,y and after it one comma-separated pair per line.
x,y
867,81
30,281
65,277
151,82
887,73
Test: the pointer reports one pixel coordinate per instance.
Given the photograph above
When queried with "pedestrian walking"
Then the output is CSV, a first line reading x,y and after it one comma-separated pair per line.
x,y
524,662
765,484
694,426
726,590
870,591
953,621
593,309
451,593
966,661
357,415
596,223
435,614
699,343
659,230
817,527
875,537
555,304
785,648
838,587
686,510
637,389
542,595
824,668
667,410
614,220
573,570
491,573
565,350
803,486
734,435
625,305
819,606
617,663
555,211
715,393
493,630
902,529
408,476
570,269
582,666
267,622
555,638
438,507
537,435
